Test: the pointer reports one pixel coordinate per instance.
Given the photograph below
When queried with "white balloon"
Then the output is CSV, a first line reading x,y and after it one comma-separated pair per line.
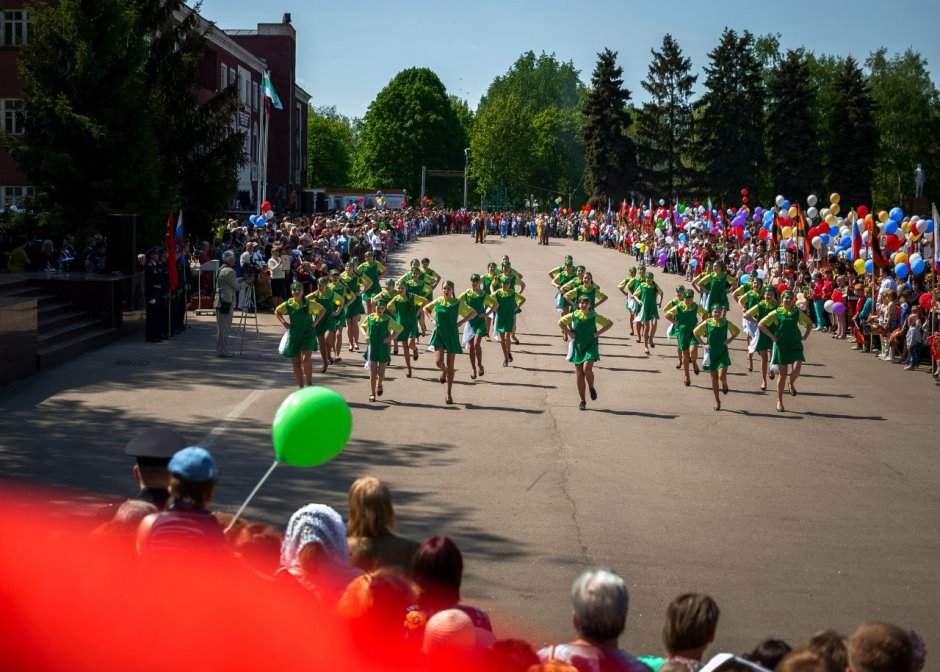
x,y
824,213
269,215
863,253
761,273
668,240
928,235
914,258
812,212
779,200
811,200
844,231
817,242
828,306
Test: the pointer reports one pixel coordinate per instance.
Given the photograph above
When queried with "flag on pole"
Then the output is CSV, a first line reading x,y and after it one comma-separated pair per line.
x,y
171,249
269,93
609,215
856,238
801,227
877,256
179,228
708,212
776,231
936,243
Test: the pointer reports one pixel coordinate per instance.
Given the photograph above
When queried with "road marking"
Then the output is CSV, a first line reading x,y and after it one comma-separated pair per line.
x,y
220,428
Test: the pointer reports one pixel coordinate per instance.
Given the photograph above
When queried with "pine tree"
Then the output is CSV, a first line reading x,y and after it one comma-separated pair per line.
x,y
853,136
610,155
731,138
793,161
665,123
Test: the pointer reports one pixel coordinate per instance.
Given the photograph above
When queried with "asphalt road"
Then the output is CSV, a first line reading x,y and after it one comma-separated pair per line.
x,y
824,516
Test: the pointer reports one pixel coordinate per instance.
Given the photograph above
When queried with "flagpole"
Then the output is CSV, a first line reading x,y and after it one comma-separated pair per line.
x,y
260,154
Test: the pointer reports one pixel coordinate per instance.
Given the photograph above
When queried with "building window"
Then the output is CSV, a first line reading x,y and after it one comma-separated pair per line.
x,y
14,28
13,116
14,196
254,95
223,79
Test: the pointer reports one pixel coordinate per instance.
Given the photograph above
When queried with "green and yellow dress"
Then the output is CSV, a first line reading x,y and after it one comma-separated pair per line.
x,y
592,292
757,313
507,302
647,293
301,334
354,283
374,271
490,282
446,336
717,288
785,324
515,275
377,328
330,301
584,347
685,318
479,301
405,311
562,276
715,333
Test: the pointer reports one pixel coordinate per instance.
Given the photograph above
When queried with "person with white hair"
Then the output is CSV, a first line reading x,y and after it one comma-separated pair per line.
x,y
600,600
226,292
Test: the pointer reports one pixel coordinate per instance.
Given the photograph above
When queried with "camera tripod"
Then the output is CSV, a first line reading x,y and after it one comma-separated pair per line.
x,y
249,314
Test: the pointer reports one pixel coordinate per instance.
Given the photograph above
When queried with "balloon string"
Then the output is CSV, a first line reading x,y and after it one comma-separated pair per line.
x,y
253,493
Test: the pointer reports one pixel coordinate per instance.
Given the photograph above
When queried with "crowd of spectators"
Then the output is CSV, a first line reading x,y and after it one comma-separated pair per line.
x,y
383,587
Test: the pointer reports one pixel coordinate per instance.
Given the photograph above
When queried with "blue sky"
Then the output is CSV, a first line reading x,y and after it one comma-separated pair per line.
x,y
348,51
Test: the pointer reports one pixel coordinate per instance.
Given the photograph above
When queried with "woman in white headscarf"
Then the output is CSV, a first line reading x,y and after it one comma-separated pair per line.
x,y
315,552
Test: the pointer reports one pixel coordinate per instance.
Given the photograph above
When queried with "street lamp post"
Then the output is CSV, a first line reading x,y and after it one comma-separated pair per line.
x,y
466,165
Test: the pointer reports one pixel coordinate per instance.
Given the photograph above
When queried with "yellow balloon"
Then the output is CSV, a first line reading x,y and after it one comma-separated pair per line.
x,y
882,216
831,219
900,258
834,208
869,218
859,266
792,212
834,198
786,231
906,226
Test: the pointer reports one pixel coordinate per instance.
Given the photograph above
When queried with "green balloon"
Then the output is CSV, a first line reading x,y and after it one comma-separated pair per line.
x,y
311,427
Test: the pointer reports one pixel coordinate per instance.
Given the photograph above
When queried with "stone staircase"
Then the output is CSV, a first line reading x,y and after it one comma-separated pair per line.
x,y
64,331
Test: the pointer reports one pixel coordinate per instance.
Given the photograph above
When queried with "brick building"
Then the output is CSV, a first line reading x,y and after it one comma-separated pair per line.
x,y
231,55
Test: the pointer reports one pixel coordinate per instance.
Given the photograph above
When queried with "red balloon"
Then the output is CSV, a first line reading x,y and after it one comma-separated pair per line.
x,y
744,193
763,234
837,296
265,206
893,243
697,203
862,211
721,213
744,200
925,301
782,287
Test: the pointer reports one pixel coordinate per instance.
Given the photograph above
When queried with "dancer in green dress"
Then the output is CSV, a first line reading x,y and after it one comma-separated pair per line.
x,y
379,329
582,327
762,345
718,334
490,285
717,285
357,285
480,301
506,269
431,277
748,295
404,307
684,317
337,285
507,305
334,303
782,326
671,331
303,315
559,277
416,282
627,286
651,296
373,270
587,288
447,311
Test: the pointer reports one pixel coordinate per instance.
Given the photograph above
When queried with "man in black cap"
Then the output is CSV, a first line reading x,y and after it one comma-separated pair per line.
x,y
153,450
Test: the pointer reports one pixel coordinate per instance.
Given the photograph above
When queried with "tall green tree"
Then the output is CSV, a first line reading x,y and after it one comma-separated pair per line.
x,y
665,122
89,147
794,164
411,123
906,116
551,91
329,148
610,154
852,135
731,138
502,148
